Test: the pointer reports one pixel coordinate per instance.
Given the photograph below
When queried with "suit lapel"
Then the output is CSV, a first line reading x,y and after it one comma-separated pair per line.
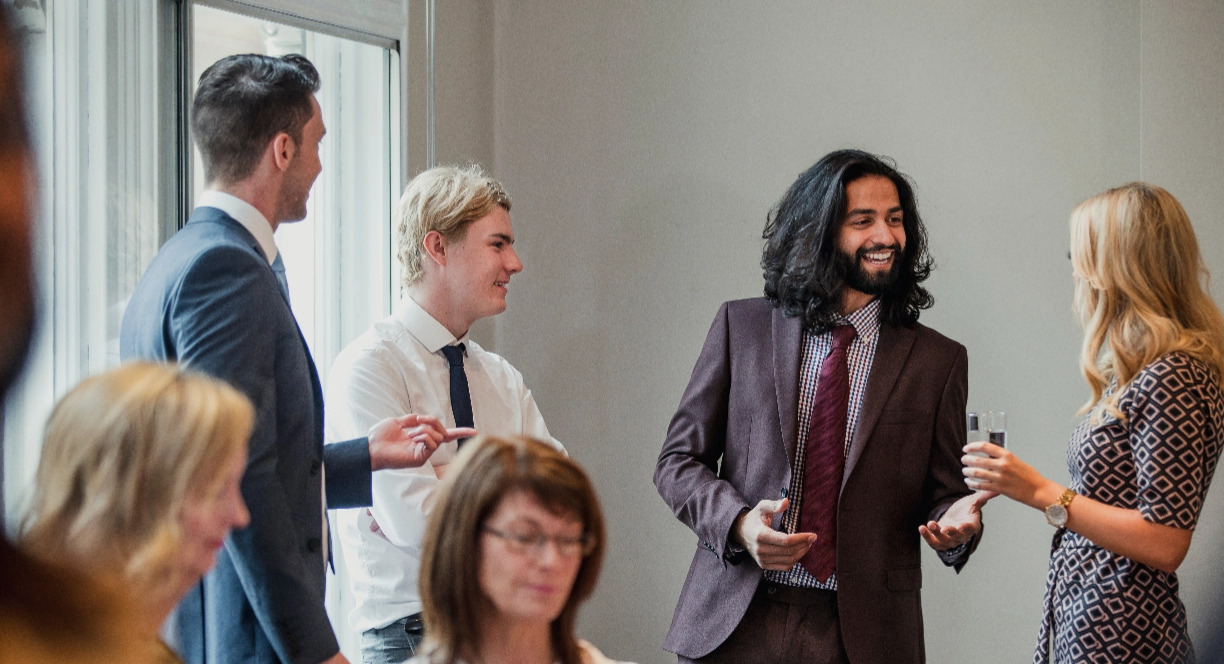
x,y
788,355
892,349
207,214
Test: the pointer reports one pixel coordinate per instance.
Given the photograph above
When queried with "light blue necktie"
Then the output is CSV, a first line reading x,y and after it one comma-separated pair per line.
x,y
278,268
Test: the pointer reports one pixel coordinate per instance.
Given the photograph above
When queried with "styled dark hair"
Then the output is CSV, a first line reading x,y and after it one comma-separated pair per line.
x,y
242,102
802,273
488,469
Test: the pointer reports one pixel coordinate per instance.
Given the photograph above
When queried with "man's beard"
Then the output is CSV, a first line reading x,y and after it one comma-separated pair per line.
x,y
855,276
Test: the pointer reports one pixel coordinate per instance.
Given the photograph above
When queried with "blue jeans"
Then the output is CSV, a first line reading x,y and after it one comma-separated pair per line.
x,y
394,644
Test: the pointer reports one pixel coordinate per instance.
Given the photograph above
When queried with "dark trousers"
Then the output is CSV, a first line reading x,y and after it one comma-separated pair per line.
x,y
784,624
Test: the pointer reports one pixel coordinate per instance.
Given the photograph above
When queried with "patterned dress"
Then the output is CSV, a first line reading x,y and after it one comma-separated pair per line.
x,y
1102,607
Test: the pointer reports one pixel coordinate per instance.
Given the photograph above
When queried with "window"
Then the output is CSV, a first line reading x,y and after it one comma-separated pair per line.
x,y
103,130
109,85
338,260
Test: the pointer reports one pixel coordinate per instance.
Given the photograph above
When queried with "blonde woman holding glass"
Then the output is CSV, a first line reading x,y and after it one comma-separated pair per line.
x,y
1144,455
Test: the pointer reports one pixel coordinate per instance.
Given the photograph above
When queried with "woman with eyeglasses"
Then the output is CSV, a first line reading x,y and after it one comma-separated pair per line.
x,y
514,544
1143,456
138,487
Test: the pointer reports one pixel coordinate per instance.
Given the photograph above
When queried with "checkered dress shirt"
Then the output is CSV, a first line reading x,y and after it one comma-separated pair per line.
x,y
866,322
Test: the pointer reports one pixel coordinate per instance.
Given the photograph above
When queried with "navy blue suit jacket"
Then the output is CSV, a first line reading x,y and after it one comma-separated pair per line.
x,y
210,301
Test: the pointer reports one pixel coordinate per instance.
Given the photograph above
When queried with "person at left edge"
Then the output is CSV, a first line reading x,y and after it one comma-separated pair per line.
x,y
212,299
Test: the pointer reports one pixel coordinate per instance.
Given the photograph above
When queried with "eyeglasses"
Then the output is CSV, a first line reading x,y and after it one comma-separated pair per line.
x,y
534,544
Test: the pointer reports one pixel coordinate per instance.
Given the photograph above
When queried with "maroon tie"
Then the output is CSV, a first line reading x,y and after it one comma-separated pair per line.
x,y
825,458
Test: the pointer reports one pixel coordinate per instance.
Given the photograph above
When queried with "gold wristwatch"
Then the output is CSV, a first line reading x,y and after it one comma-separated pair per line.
x,y
1056,514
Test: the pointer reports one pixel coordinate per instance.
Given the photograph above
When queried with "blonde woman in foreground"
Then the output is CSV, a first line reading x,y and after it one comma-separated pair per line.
x,y
513,546
138,486
1143,456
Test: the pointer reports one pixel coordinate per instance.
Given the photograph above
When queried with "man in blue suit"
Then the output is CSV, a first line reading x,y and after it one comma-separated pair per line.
x,y
215,299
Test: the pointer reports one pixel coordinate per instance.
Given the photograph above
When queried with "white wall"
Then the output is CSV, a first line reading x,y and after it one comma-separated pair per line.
x,y
643,144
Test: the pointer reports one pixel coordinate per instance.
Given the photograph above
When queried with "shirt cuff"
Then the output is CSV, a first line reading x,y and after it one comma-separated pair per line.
x,y
953,556
734,552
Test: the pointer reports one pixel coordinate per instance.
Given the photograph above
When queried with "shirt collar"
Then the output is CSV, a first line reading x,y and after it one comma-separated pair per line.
x,y
427,330
866,321
245,214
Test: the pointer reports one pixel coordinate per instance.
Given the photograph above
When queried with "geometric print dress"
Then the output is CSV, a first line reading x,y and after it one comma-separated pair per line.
x,y
1102,607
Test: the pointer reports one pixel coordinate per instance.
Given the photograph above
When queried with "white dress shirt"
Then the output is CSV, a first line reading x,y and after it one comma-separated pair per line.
x,y
394,368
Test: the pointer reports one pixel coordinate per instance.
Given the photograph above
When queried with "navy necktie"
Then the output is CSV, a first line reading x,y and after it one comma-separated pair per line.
x,y
825,457
460,398
278,268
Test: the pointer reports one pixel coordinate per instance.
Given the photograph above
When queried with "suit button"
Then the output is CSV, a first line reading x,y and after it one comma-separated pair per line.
x,y
314,545
784,492
315,465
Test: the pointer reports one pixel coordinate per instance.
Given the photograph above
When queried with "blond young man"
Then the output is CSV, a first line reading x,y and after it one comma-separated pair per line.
x,y
456,250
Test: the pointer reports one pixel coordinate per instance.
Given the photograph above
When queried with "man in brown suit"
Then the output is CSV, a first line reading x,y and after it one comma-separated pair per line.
x,y
844,260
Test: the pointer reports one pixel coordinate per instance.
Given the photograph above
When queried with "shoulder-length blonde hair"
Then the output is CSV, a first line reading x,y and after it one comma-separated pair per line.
x,y
486,470
123,452
1142,289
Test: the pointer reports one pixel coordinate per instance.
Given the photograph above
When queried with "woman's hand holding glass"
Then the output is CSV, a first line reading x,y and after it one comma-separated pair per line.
x,y
1001,472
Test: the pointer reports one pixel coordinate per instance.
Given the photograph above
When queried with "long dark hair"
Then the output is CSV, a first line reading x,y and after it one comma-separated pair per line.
x,y
802,273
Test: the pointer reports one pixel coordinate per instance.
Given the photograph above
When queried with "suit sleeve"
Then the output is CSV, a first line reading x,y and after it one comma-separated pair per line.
x,y
222,321
686,474
945,483
347,482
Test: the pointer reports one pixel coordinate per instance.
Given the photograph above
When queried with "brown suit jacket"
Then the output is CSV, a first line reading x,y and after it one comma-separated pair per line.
x,y
731,444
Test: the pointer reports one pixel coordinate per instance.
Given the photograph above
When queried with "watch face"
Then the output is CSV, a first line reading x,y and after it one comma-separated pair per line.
x,y
1057,515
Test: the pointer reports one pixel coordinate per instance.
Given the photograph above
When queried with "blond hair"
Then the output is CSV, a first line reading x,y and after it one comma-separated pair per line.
x,y
123,452
446,199
1142,291
487,469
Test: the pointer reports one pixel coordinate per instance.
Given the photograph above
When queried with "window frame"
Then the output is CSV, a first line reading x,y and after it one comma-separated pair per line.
x,y
63,351
404,26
